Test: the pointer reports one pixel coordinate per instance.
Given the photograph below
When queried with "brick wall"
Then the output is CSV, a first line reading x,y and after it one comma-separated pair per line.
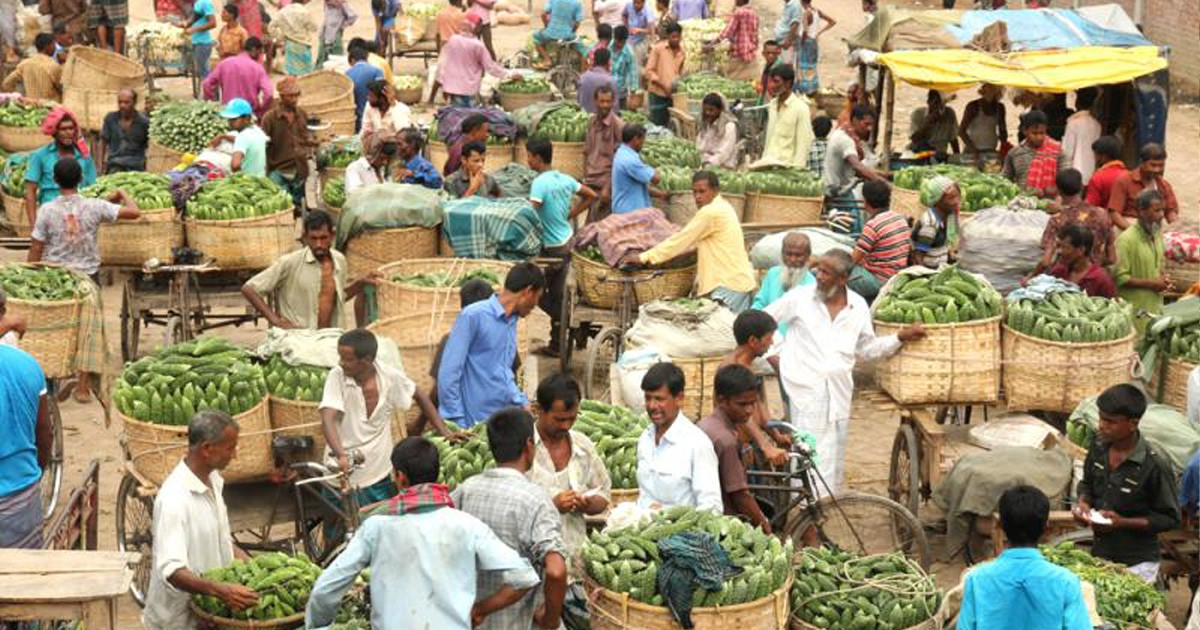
x,y
1175,23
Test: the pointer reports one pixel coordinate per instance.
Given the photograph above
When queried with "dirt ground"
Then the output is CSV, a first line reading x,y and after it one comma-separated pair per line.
x,y
873,427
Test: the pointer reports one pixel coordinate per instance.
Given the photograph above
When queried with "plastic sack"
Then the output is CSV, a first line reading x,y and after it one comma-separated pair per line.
x,y
410,29
631,369
1165,427
1002,244
1011,430
683,329
318,347
768,251
385,206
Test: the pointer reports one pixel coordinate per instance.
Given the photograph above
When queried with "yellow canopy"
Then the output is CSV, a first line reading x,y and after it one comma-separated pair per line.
x,y
1039,71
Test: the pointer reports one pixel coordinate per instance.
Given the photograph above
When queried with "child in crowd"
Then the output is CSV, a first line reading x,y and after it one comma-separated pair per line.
x,y
821,125
754,332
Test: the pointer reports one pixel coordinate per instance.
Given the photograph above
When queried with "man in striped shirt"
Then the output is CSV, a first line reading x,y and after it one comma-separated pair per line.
x,y
883,248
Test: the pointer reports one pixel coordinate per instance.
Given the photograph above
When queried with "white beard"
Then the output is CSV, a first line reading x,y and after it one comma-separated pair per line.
x,y
791,277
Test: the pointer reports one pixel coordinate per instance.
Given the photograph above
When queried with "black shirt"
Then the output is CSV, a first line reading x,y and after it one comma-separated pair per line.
x,y
126,148
1143,486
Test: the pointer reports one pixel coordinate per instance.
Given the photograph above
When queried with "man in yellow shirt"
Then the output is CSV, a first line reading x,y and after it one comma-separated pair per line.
x,y
789,124
723,271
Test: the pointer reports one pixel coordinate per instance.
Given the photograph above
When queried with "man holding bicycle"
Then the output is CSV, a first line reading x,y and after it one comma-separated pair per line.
x,y
736,390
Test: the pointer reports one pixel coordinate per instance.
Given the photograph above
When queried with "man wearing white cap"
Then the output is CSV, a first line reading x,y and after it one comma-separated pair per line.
x,y
249,142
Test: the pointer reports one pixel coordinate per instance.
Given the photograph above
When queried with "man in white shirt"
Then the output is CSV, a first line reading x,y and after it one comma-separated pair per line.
x,y
361,397
384,116
676,461
191,528
371,168
829,327
610,12
1082,130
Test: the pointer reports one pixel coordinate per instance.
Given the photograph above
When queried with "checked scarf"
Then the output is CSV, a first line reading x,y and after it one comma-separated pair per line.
x,y
418,499
1044,167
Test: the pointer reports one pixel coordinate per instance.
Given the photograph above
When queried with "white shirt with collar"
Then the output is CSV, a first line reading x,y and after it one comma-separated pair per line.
x,y
370,434
191,531
360,174
680,469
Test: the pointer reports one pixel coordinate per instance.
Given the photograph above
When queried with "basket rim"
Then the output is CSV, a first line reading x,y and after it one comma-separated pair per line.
x,y
245,623
949,325
262,218
39,303
279,400
634,604
1065,344
789,197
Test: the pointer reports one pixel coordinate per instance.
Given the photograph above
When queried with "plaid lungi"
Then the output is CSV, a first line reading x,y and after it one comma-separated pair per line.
x,y
807,57
92,353
112,13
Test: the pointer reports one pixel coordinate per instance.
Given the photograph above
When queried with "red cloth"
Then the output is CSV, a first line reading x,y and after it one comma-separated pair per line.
x,y
1044,168
742,33
1095,281
423,497
50,126
1099,187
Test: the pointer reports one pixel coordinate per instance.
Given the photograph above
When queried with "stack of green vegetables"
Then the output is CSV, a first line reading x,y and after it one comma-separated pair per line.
x,y
1182,342
340,154
841,591
423,10
460,462
334,192
17,114
239,196
1070,318
784,182
565,124
700,84
948,297
1122,598
978,190
631,117
671,151
524,86
14,186
626,560
1081,434
38,283
186,126
593,253
442,279
283,584
304,383
614,430
732,182
171,385
150,191
675,179
408,82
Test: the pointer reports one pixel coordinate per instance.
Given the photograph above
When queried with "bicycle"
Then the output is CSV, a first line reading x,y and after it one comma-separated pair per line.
x,y
752,124
608,344
857,522
565,66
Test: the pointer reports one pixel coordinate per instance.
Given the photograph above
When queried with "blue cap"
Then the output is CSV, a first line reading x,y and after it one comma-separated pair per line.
x,y
237,108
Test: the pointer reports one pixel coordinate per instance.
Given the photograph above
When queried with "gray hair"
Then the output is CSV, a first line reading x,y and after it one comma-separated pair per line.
x,y
1147,197
207,427
798,236
843,263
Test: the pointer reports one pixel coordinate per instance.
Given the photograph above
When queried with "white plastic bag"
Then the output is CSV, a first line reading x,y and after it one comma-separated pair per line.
x,y
683,333
1002,244
768,251
631,369
1011,430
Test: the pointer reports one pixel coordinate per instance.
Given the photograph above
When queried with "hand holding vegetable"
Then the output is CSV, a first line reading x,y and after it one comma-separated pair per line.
x,y
236,596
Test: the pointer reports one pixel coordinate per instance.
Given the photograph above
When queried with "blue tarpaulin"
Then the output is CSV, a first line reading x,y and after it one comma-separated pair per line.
x,y
1044,29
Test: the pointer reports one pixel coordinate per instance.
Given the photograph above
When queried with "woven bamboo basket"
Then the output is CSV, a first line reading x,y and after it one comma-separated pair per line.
x,y
14,214
498,156
96,68
131,243
21,139
954,363
331,172
91,105
403,299
908,203
698,375
623,496
618,611
324,92
222,623
244,243
410,96
161,158
301,418
762,208
1183,274
511,102
829,104
1054,376
371,250
341,124
570,159
1171,376
417,336
739,203
599,291
51,332
155,449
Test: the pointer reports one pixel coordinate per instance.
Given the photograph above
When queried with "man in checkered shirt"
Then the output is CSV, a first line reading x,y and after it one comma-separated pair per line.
x,y
742,34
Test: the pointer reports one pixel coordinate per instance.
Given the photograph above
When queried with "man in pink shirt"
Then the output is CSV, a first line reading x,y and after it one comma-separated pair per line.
x,y
242,77
463,61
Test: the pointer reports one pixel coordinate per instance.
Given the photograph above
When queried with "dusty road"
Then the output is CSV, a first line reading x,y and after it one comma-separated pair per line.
x,y
871,434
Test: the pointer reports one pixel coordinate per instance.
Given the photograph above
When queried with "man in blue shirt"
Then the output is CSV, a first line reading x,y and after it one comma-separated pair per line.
x,y
362,73
40,186
631,177
204,20
476,378
1021,589
639,19
562,19
415,169
25,440
792,273
551,194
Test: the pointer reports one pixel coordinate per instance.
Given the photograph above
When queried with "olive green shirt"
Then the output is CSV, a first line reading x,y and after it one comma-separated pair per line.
x,y
295,281
1140,256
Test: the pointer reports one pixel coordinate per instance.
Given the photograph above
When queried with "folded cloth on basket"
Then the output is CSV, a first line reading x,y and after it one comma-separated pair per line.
x,y
691,560
974,485
384,206
449,122
318,347
1041,287
497,229
619,235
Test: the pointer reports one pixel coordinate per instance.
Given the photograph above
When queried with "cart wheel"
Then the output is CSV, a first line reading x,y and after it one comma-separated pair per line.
x,y
865,524
131,324
904,478
602,352
52,476
135,531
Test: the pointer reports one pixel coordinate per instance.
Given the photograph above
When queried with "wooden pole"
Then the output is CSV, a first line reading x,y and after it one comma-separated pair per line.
x,y
890,107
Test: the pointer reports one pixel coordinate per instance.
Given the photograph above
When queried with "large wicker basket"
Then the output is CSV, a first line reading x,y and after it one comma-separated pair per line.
x,y
762,208
214,622
409,96
91,105
14,214
371,250
21,139
828,104
1054,376
244,243
296,417
511,102
329,173
131,243
1183,274
681,206
161,158
739,203
96,68
406,299
498,156
954,363
620,496
570,159
417,336
51,332
618,611
155,449
325,92
698,375
1172,378
908,203
599,289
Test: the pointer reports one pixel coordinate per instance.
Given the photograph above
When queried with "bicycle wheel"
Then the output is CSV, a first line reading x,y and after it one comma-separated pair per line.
x,y
904,476
602,352
52,476
135,532
865,524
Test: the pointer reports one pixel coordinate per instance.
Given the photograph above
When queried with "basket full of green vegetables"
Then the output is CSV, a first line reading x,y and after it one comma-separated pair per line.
x,y
20,125
515,94
783,196
179,127
243,221
566,128
430,285
49,300
153,235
